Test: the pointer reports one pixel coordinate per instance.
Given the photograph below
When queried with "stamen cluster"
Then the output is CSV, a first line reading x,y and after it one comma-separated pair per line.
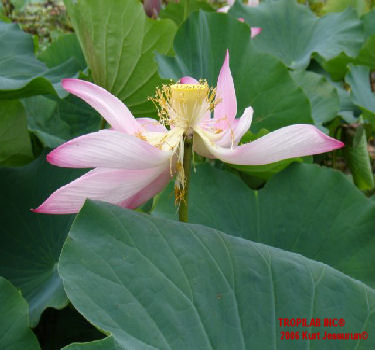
x,y
184,105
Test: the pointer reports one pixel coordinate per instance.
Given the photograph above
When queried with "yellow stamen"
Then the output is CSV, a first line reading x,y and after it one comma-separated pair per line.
x,y
181,107
179,195
140,135
189,93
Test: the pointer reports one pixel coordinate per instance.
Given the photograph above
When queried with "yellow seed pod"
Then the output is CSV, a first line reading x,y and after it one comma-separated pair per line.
x,y
188,101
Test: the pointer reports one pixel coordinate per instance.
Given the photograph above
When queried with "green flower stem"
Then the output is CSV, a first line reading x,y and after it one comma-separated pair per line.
x,y
184,204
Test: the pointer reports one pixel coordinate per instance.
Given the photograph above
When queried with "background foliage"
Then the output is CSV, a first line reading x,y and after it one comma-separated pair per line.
x,y
290,239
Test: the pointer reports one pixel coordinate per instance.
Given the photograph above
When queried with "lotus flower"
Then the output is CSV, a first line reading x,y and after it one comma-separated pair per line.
x,y
254,31
152,8
136,158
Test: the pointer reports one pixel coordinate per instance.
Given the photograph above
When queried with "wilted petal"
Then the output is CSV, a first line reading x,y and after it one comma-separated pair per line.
x,y
226,109
188,80
108,149
238,128
149,191
150,124
292,141
109,106
109,185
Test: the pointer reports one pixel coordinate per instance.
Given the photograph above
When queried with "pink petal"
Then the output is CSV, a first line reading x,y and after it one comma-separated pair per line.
x,y
199,146
253,3
255,31
292,141
226,109
149,191
109,106
238,128
224,9
150,124
108,149
108,185
188,80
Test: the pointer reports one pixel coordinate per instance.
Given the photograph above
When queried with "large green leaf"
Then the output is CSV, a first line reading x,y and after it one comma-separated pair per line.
x,y
358,159
55,121
359,80
348,110
176,10
30,243
337,67
260,79
306,209
368,23
293,33
21,74
105,344
61,50
360,6
119,42
15,145
323,96
366,56
160,284
15,333
217,199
